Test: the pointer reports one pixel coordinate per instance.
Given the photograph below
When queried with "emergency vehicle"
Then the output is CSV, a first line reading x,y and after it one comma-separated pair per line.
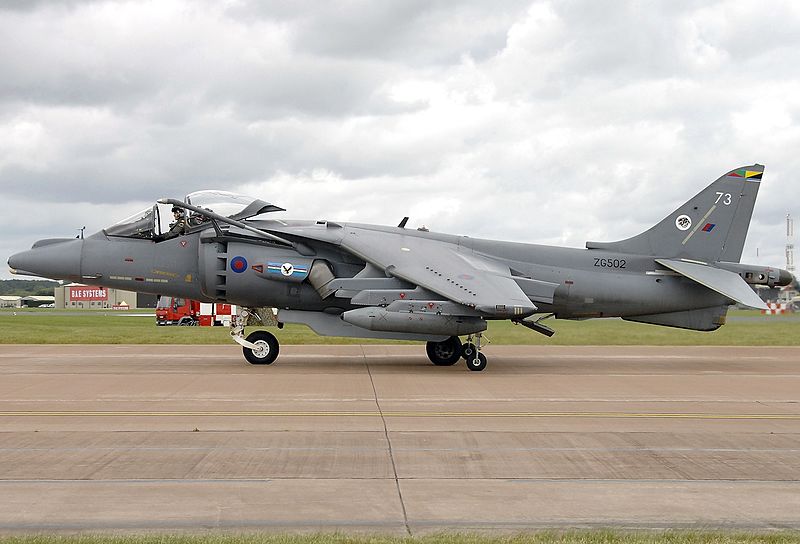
x,y
188,312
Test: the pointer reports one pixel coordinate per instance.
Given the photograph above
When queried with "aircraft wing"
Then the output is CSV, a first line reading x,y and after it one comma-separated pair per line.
x,y
443,268
723,282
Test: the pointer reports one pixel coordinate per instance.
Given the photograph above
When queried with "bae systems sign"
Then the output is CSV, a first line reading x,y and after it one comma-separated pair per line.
x,y
88,293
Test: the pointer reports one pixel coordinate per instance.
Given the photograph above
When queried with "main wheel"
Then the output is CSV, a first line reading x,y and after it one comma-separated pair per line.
x,y
445,353
267,348
477,362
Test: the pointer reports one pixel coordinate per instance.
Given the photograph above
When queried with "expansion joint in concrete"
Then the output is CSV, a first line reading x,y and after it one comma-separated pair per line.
x,y
389,445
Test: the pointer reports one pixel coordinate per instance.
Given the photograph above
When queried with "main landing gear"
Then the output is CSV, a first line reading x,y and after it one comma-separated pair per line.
x,y
448,352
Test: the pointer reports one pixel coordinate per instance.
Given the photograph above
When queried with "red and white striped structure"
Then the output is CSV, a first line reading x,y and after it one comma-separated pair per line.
x,y
212,315
775,308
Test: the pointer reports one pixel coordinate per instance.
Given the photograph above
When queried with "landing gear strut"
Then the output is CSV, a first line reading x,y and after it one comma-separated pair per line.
x,y
260,347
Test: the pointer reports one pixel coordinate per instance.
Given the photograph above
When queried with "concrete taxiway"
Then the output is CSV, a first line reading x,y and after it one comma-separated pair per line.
x,y
375,438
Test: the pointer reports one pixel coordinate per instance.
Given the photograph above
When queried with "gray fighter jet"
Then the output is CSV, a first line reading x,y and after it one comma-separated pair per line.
x,y
369,281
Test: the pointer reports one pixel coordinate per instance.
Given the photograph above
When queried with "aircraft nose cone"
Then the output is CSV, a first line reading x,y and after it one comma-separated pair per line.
x,y
57,260
13,262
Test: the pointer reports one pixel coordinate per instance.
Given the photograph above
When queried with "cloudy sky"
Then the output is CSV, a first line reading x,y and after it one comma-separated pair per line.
x,y
551,122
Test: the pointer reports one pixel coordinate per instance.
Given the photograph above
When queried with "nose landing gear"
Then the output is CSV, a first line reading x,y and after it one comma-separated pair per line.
x,y
260,347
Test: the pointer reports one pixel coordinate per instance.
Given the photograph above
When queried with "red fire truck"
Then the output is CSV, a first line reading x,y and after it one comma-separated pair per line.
x,y
177,311
187,312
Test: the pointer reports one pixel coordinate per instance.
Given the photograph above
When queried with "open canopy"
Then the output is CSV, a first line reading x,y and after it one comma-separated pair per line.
x,y
155,221
231,205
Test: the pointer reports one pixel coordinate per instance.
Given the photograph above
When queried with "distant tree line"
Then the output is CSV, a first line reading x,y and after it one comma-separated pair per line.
x,y
24,288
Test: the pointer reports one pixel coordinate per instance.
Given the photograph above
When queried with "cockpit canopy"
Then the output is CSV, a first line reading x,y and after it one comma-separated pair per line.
x,y
154,222
231,205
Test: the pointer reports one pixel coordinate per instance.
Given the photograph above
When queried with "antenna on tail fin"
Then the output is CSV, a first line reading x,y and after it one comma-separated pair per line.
x,y
711,226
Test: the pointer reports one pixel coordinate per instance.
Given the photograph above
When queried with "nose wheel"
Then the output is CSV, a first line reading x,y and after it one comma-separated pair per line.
x,y
260,347
265,349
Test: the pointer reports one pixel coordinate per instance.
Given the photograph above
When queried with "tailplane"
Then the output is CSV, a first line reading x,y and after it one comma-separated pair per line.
x,y
710,227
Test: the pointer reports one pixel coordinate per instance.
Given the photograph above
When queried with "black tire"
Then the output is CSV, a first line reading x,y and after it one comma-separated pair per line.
x,y
445,353
477,363
268,352
468,350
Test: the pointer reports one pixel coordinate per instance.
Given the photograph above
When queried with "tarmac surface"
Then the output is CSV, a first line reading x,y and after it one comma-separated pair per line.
x,y
376,439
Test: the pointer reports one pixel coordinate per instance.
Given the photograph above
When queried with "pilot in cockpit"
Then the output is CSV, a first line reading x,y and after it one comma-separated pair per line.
x,y
178,227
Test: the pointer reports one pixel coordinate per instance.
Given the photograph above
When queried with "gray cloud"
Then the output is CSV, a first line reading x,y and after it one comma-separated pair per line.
x,y
415,33
550,122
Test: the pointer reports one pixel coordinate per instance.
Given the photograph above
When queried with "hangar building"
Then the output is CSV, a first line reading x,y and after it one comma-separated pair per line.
x,y
79,296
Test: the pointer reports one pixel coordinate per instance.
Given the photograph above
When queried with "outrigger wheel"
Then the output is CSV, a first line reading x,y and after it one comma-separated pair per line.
x,y
267,348
472,353
477,361
445,353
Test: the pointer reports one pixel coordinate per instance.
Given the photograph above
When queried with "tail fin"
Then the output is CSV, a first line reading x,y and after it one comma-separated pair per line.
x,y
712,226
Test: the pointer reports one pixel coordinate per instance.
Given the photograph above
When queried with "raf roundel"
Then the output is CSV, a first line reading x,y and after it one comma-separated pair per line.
x,y
238,264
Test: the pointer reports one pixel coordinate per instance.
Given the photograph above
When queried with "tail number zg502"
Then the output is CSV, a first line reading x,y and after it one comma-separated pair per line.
x,y
610,263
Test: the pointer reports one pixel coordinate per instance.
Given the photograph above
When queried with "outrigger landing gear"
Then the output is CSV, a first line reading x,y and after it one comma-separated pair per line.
x,y
260,347
472,353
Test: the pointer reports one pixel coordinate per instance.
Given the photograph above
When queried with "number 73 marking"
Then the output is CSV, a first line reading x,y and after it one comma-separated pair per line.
x,y
725,197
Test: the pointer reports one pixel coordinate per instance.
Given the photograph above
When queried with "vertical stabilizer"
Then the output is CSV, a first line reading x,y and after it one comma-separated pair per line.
x,y
712,226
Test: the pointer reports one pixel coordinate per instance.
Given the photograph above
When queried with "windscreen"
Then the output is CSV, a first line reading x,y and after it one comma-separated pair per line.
x,y
138,225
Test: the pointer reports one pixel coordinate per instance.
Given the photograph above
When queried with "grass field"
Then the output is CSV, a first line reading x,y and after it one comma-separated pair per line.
x,y
744,328
570,537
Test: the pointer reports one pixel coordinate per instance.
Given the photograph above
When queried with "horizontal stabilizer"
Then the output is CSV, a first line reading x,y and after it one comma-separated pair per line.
x,y
722,281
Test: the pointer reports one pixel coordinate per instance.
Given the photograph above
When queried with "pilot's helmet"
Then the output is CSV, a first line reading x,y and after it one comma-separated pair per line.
x,y
176,209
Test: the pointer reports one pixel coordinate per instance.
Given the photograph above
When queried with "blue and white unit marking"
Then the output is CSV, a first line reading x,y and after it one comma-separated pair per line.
x,y
288,270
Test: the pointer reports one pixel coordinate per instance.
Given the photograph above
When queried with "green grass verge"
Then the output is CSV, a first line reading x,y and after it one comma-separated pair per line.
x,y
571,537
103,327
